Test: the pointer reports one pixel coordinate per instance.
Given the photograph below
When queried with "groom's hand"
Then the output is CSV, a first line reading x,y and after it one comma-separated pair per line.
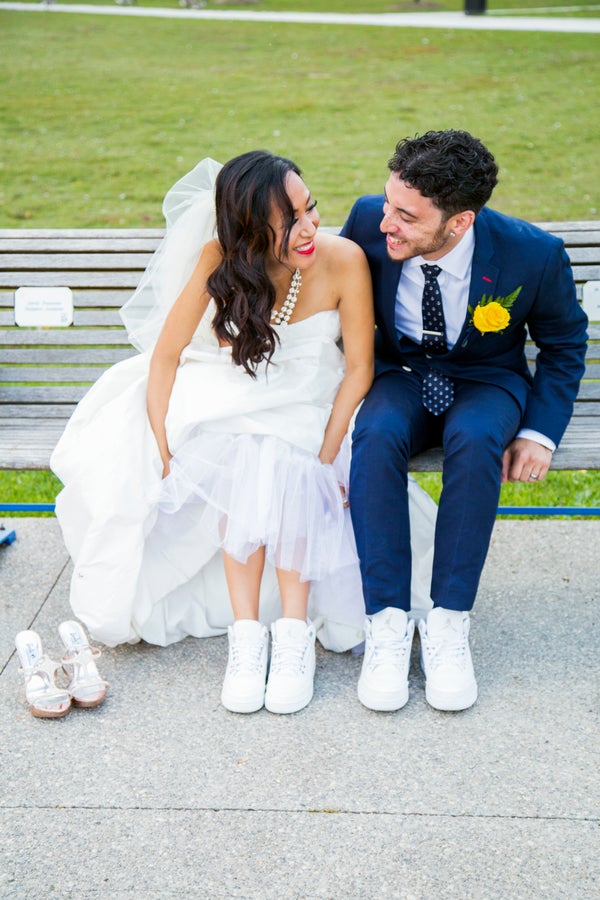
x,y
525,460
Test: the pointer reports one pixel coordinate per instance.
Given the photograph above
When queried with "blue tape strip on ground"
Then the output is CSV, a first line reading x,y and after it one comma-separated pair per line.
x,y
502,510
27,507
548,511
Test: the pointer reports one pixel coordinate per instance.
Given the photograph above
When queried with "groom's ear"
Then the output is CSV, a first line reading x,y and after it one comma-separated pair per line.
x,y
461,222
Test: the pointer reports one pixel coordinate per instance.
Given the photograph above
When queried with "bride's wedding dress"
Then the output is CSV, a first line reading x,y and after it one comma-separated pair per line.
x,y
245,473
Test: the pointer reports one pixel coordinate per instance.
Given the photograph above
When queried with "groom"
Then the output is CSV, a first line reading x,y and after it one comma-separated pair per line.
x,y
455,285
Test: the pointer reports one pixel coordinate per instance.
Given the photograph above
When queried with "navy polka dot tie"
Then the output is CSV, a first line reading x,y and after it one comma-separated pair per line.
x,y
437,392
434,326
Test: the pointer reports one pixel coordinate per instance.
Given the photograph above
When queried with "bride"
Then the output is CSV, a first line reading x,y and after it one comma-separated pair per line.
x,y
205,480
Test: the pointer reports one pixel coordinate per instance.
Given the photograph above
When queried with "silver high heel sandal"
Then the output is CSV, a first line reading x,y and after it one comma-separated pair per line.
x,y
45,699
86,687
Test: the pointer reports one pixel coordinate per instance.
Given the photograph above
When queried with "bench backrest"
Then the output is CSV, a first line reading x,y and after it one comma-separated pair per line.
x,y
46,371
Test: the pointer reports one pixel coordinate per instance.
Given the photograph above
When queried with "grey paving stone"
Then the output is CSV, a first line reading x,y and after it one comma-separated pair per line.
x,y
249,854
161,791
29,569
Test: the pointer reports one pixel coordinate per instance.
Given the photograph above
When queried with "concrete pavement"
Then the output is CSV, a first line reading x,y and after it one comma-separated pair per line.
x,y
446,20
161,792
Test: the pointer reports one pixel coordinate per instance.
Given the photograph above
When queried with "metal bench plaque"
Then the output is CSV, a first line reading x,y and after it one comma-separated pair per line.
x,y
41,307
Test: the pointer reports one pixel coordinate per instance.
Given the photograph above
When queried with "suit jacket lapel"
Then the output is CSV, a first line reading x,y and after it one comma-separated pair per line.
x,y
390,276
484,274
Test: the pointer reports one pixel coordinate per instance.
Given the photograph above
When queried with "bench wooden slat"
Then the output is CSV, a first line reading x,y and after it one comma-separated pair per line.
x,y
589,390
585,273
63,336
587,407
579,238
102,317
572,225
34,413
75,279
65,355
27,375
579,255
592,371
91,245
55,393
45,262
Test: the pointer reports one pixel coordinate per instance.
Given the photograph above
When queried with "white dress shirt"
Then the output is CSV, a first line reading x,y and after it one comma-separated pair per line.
x,y
454,281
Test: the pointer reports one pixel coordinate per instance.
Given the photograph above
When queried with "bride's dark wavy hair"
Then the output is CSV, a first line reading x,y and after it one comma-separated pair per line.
x,y
248,188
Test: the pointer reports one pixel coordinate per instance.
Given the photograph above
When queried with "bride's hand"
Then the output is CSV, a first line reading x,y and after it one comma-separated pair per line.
x,y
166,466
345,498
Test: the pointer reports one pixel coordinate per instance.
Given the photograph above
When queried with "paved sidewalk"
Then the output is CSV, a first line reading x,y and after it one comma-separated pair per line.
x,y
162,793
447,20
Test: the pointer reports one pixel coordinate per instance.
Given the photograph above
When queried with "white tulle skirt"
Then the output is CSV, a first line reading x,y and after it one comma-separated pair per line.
x,y
245,474
250,491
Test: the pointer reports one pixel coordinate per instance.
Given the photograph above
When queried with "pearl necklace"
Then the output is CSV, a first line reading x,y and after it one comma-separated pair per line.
x,y
282,316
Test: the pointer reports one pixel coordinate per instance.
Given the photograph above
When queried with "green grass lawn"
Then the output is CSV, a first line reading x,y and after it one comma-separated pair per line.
x,y
574,489
94,134
374,7
569,489
100,115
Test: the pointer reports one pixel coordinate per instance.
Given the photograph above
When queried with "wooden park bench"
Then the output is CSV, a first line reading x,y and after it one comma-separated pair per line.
x,y
44,372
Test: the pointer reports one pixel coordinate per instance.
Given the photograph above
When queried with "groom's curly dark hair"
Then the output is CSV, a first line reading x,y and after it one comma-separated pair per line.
x,y
453,168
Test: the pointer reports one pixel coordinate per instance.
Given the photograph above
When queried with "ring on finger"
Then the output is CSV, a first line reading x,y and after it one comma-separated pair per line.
x,y
533,477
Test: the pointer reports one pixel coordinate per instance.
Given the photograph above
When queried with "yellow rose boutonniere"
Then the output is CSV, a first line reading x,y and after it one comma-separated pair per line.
x,y
492,313
490,317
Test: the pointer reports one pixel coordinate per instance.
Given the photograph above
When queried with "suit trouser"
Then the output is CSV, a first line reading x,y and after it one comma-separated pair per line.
x,y
392,425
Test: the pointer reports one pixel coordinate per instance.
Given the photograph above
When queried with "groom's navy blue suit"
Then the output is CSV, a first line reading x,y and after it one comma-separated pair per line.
x,y
495,395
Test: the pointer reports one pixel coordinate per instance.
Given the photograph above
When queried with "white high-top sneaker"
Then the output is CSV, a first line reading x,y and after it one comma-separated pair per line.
x,y
383,682
291,676
244,684
446,660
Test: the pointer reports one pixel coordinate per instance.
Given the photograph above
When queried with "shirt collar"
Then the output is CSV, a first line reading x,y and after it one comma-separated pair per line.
x,y
456,262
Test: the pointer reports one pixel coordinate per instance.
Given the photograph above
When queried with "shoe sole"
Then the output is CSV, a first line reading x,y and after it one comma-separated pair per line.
x,y
451,702
88,704
48,713
282,708
248,706
382,701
